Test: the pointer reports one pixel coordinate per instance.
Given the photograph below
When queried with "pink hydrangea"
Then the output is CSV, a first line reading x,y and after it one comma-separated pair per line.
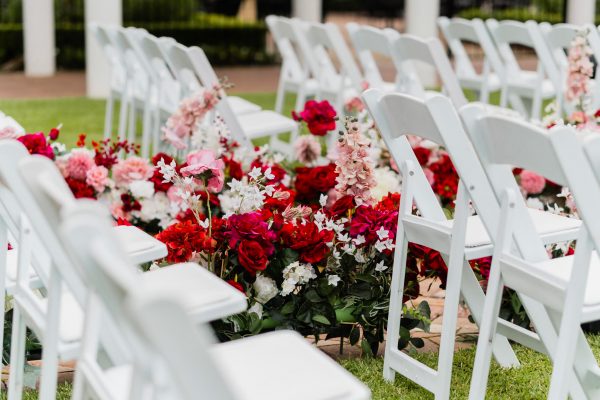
x,y
204,162
307,149
132,169
532,183
97,177
78,164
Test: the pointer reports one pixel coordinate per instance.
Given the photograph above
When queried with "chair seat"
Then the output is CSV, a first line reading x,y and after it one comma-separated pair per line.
x,y
242,106
118,381
552,227
296,370
526,83
265,123
207,297
140,246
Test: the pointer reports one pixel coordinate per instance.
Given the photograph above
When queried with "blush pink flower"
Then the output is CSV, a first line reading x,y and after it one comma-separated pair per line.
x,y
97,177
307,149
532,183
203,164
8,132
132,169
78,164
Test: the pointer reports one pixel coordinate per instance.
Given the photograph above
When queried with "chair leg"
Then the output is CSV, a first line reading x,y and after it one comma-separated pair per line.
x,y
300,99
51,339
131,130
146,130
108,118
123,116
17,356
280,99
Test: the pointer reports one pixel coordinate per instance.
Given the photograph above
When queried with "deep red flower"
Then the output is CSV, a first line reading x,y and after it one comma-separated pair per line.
x,y
183,239
36,143
308,241
342,205
429,260
483,265
422,154
158,180
446,178
310,183
123,222
161,156
391,202
251,256
130,203
80,189
236,285
281,199
233,168
54,134
276,170
250,226
319,117
367,220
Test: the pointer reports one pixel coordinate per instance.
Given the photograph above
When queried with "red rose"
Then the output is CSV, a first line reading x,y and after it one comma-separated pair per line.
x,y
184,239
324,178
282,198
54,134
483,265
233,168
310,183
252,256
250,226
319,117
36,144
161,156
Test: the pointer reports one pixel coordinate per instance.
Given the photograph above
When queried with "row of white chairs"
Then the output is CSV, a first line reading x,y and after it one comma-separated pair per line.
x,y
316,61
557,294
134,335
151,75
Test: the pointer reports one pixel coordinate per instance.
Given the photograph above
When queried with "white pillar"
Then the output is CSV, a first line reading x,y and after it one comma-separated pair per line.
x,y
580,12
97,71
38,37
309,10
420,19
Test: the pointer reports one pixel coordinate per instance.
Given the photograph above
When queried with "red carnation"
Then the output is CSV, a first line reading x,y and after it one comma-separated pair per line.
x,y
308,241
422,154
184,239
342,205
36,143
236,285
252,256
80,189
319,116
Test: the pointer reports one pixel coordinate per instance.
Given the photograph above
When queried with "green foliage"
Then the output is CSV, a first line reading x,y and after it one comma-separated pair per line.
x,y
516,14
158,10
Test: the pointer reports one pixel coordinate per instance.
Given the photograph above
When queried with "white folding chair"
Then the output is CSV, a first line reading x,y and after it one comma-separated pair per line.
x,y
563,288
335,84
411,49
370,44
243,127
459,240
118,75
457,31
188,357
531,87
298,70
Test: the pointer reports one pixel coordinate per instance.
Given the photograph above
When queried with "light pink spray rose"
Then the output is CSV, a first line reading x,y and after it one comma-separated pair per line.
x,y
132,169
97,177
78,164
532,183
204,165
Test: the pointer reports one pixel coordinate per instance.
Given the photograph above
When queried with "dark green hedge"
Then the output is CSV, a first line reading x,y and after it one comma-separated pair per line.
x,y
516,14
224,43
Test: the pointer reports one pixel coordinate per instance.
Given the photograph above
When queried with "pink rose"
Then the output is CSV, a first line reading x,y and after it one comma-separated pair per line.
x,y
79,164
204,164
132,169
532,183
97,177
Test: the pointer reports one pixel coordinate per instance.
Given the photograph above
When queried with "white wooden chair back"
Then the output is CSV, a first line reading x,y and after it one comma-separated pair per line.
x,y
409,48
113,56
457,31
368,43
326,39
183,69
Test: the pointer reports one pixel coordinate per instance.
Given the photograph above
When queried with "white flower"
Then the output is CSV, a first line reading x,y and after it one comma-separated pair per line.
x,y
555,209
204,223
387,181
168,171
323,200
141,189
255,173
333,280
382,233
257,309
265,288
268,174
294,275
380,267
360,239
287,287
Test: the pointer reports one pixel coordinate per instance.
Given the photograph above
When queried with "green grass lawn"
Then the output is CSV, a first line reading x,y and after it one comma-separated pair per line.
x,y
80,115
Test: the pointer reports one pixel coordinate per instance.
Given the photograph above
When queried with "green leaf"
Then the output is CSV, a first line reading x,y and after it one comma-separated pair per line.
x,y
417,342
366,348
313,296
354,336
321,319
288,308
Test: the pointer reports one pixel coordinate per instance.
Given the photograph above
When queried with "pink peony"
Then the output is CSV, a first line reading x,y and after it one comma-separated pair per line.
x,y
532,183
132,169
78,164
97,177
307,149
204,164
